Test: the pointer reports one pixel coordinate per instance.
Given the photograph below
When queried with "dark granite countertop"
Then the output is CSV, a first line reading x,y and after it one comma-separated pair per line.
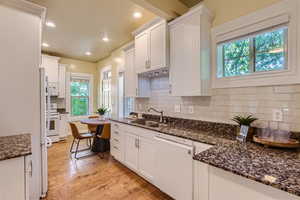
x,y
256,162
195,135
15,146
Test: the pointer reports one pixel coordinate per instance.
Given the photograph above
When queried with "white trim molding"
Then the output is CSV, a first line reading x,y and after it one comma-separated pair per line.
x,y
284,12
26,6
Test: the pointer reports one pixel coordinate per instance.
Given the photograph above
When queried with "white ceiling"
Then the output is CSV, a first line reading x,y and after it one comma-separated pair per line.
x,y
81,24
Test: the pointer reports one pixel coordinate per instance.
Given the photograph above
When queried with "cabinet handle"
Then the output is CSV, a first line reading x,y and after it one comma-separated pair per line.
x,y
116,148
116,125
116,132
189,152
170,90
138,143
116,140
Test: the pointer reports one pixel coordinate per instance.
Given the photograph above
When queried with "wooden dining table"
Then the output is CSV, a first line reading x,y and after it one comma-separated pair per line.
x,y
100,125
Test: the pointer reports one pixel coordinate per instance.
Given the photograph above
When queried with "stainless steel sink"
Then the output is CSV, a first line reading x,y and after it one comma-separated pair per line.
x,y
146,123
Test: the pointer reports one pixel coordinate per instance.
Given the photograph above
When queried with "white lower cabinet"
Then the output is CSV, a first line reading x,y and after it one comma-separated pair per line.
x,y
131,151
15,178
212,183
147,158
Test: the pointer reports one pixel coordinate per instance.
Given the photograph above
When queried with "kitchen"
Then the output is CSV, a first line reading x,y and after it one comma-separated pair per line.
x,y
181,89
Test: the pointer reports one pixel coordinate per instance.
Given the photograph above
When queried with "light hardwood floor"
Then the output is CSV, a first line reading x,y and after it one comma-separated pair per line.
x,y
93,178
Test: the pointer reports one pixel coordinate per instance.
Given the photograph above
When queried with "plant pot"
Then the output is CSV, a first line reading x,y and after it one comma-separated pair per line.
x,y
249,135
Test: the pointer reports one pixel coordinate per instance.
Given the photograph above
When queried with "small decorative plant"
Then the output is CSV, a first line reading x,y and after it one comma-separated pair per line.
x,y
102,111
244,131
244,120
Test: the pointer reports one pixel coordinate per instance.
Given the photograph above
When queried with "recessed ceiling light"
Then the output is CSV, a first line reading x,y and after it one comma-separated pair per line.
x,y
50,24
137,15
88,53
118,60
105,39
45,44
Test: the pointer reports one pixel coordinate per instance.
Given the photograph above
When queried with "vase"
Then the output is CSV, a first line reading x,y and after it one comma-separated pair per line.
x,y
249,135
101,117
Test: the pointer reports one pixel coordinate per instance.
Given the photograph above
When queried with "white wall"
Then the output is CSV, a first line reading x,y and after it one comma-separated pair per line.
x,y
19,76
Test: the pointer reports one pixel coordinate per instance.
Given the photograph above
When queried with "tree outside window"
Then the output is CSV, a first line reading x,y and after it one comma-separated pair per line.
x,y
80,97
262,52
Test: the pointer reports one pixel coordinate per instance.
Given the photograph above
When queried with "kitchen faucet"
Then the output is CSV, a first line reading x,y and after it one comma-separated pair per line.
x,y
161,113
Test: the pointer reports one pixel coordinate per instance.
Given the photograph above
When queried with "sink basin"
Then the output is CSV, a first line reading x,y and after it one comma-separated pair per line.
x,y
146,123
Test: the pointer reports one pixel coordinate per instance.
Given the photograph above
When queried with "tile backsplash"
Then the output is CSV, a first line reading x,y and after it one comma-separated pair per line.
x,y
223,104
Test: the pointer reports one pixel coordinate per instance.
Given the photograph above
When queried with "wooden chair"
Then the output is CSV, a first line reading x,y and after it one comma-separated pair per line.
x,y
79,136
92,128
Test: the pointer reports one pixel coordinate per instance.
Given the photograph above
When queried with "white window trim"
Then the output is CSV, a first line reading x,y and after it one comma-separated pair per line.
x,y
89,77
102,71
277,14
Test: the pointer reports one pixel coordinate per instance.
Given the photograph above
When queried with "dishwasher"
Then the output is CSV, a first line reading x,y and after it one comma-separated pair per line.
x,y
174,166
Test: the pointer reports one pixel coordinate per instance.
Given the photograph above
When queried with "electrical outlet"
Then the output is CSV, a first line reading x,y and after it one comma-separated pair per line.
x,y
277,115
190,109
177,108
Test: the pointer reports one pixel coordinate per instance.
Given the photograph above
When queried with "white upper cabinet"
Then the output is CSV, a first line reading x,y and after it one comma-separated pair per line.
x,y
190,53
151,46
50,63
135,85
130,74
62,81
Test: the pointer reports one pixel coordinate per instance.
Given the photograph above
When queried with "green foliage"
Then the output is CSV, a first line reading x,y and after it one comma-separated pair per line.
x,y
79,98
265,51
241,120
102,110
80,106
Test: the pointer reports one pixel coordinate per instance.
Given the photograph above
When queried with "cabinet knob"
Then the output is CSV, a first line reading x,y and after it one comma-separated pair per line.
x,y
189,152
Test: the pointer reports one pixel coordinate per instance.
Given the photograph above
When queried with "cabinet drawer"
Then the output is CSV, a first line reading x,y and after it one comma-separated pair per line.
x,y
115,134
116,153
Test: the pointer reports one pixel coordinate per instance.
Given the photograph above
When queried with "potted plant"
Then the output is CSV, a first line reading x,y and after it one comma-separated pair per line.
x,y
102,111
245,129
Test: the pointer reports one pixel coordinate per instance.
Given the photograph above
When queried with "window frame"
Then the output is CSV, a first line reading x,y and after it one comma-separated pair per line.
x,y
252,53
282,13
101,96
90,79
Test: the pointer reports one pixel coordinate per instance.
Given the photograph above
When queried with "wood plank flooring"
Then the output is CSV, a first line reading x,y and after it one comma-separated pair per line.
x,y
93,178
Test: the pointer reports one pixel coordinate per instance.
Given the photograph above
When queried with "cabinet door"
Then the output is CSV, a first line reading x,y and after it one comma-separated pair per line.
x,y
130,74
51,68
12,181
174,169
157,41
62,81
63,127
185,57
141,52
131,151
147,158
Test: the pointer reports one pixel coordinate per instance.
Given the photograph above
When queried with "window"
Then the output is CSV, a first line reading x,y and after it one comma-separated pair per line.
x,y
81,101
266,51
106,90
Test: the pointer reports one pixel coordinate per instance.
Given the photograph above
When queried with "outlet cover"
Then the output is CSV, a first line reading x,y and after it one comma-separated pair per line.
x,y
177,108
277,115
190,109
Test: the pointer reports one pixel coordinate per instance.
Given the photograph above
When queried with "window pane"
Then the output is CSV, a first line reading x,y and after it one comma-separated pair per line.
x,y
236,58
80,106
79,88
269,50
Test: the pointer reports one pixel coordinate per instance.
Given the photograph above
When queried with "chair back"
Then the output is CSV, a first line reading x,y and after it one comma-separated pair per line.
x,y
75,131
105,132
